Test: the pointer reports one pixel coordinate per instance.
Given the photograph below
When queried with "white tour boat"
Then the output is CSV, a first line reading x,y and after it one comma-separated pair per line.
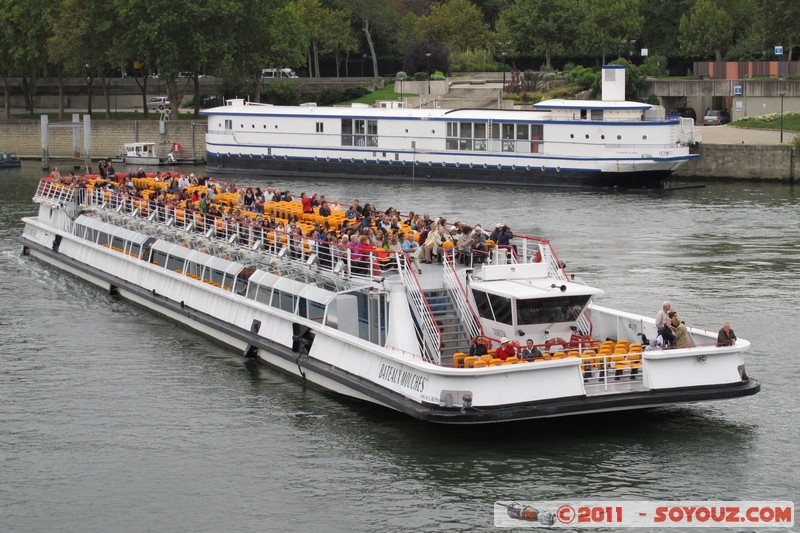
x,y
560,143
146,154
368,326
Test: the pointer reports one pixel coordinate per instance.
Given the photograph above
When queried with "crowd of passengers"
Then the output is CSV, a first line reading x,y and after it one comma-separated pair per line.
x,y
363,229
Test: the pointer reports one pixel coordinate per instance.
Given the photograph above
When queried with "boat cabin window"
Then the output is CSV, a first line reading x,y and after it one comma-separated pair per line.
x,y
597,114
214,276
158,258
347,132
508,137
537,138
550,310
283,301
228,124
118,243
466,136
493,307
136,250
175,263
194,270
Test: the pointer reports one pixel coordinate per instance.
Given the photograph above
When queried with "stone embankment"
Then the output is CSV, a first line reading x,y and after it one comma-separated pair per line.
x,y
741,153
24,137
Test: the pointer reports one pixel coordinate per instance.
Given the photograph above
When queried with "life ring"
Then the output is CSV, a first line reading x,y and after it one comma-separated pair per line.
x,y
555,341
537,257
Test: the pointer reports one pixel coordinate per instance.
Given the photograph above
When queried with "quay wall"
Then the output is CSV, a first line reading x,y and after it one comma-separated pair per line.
x,y
742,161
730,161
24,137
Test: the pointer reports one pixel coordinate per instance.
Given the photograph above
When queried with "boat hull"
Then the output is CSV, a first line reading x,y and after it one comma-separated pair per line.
x,y
331,378
439,173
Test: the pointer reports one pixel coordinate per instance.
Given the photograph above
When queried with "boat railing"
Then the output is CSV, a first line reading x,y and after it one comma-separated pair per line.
x,y
429,329
252,239
534,250
56,193
469,319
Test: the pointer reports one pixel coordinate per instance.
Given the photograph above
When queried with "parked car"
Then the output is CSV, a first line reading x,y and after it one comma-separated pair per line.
x,y
273,73
158,102
686,112
716,117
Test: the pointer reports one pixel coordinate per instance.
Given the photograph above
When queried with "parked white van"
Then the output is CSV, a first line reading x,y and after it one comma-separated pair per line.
x,y
273,73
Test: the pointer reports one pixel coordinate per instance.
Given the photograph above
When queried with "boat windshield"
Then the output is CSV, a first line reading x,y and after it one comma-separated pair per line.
x,y
550,310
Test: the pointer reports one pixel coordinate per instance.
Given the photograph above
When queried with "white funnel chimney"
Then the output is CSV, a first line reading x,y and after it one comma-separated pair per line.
x,y
613,83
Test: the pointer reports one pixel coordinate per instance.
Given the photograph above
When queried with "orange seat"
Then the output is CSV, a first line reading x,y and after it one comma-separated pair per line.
x,y
469,361
458,359
479,364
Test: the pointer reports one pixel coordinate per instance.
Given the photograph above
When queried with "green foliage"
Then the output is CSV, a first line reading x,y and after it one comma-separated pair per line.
x,y
542,26
473,60
654,65
438,75
282,92
611,26
583,77
653,100
796,143
456,23
705,30
633,78
771,121
420,76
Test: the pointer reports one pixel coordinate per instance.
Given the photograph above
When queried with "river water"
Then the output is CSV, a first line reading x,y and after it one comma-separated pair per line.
x,y
113,419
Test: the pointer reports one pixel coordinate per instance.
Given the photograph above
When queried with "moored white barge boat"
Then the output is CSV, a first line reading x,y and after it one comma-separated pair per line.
x,y
373,329
559,143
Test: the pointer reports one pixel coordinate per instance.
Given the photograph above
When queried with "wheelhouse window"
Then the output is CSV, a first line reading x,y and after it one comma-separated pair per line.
x,y
550,310
493,307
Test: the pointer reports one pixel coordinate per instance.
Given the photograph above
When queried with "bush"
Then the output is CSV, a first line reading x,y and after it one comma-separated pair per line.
x,y
473,61
796,143
281,92
420,76
438,75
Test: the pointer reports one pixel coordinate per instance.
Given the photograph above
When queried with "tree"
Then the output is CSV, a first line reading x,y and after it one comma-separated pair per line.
x,y
26,26
705,29
270,33
456,23
660,34
375,18
541,25
611,25
416,57
78,26
338,37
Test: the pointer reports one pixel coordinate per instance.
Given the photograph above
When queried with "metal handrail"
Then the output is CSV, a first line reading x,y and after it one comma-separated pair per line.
x,y
469,319
431,334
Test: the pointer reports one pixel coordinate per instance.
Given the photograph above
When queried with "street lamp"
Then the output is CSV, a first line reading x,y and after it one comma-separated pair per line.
x,y
401,77
782,93
428,55
504,69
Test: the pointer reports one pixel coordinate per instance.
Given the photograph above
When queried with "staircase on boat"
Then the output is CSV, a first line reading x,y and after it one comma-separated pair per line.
x,y
455,337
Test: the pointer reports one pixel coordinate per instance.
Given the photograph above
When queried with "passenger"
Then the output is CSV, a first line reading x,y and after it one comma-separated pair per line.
x,y
505,350
324,209
276,197
655,344
413,251
478,348
681,333
306,203
55,175
663,324
726,336
495,235
430,249
141,173
530,351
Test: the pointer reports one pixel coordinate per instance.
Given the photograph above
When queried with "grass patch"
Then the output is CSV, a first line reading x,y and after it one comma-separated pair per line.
x,y
772,121
384,93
